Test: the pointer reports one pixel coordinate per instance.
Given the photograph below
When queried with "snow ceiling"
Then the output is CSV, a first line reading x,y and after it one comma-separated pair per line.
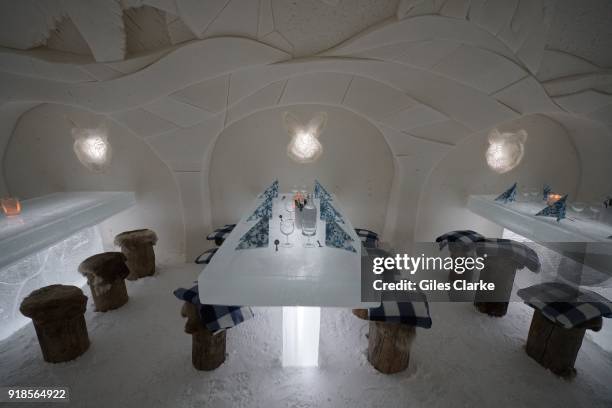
x,y
426,73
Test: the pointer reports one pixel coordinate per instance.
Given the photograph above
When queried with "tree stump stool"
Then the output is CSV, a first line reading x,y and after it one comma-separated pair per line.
x,y
207,349
388,344
137,246
501,271
556,347
57,312
106,273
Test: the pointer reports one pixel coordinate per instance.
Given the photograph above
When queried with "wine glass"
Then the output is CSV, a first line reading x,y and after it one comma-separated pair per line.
x,y
290,207
287,227
534,194
578,207
595,209
309,230
523,194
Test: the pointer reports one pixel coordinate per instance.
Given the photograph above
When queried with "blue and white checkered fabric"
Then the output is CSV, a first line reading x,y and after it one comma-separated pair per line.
x,y
206,256
465,237
517,251
215,317
367,237
563,304
413,313
220,234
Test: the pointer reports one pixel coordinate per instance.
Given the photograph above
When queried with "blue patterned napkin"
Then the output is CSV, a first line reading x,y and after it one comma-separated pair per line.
x,y
556,209
508,196
263,211
336,237
257,237
270,192
329,213
321,192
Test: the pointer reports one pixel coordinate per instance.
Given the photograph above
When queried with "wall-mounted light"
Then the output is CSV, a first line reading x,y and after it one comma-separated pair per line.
x,y
304,146
92,148
505,150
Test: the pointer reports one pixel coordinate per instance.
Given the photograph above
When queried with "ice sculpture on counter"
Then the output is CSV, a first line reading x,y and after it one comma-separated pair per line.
x,y
56,264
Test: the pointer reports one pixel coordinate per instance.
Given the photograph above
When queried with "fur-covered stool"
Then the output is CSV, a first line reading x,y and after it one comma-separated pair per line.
x,y
562,314
57,312
220,234
503,258
369,239
392,331
461,244
207,325
106,273
137,246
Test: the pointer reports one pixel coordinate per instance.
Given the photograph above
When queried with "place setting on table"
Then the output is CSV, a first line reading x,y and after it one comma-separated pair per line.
x,y
289,249
546,213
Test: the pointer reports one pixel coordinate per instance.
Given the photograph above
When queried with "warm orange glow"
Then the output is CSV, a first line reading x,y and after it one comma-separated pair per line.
x,y
10,206
552,198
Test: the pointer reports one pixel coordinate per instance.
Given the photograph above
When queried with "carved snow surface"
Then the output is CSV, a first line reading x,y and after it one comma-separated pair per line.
x,y
56,264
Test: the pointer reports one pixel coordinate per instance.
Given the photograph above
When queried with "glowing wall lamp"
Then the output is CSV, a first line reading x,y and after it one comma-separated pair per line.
x,y
304,146
505,150
92,148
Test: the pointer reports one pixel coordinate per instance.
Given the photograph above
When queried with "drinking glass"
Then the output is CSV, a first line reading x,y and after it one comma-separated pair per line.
x,y
287,227
309,226
578,207
523,194
290,207
534,194
595,209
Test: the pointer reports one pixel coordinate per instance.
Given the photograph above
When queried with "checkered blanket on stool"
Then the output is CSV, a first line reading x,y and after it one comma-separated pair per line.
x,y
220,234
566,305
215,317
367,237
519,252
465,237
206,256
413,313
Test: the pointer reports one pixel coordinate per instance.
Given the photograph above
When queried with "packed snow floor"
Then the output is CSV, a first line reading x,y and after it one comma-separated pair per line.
x,y
140,357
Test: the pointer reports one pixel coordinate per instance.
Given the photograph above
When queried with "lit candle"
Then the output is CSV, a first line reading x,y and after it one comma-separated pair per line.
x,y
10,206
552,198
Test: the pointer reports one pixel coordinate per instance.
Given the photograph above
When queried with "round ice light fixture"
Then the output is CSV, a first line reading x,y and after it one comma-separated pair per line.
x,y
92,148
304,146
505,150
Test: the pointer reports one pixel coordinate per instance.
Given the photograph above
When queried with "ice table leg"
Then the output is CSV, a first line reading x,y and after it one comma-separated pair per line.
x,y
301,327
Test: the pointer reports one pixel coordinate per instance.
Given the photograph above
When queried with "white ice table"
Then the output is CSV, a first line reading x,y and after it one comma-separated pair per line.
x,y
520,218
296,276
584,240
46,243
49,219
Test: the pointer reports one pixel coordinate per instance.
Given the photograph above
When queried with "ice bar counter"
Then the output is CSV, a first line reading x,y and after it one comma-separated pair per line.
x,y
46,242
